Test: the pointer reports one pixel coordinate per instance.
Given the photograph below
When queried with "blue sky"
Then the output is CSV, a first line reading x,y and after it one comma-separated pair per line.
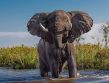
x,y
14,14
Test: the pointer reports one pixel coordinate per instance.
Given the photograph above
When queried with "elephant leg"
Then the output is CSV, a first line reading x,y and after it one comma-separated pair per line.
x,y
71,62
42,59
60,68
62,65
43,69
72,67
55,69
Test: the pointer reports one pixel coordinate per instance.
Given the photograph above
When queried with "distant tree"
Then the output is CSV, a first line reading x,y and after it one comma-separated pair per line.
x,y
105,29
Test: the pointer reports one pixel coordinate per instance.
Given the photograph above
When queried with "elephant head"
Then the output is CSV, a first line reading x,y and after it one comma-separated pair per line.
x,y
59,27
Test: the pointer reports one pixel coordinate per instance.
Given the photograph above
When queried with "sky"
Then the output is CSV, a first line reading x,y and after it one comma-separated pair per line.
x,y
14,15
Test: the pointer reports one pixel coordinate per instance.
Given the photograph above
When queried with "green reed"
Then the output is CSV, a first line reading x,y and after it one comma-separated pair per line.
x,y
92,57
20,57
23,57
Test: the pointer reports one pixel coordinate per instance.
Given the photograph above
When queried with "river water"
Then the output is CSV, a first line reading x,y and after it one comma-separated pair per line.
x,y
89,76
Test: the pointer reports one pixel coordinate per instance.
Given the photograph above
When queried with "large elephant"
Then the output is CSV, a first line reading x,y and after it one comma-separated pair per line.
x,y
58,30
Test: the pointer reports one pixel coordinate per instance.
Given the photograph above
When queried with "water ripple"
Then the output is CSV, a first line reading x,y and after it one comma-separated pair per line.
x,y
9,75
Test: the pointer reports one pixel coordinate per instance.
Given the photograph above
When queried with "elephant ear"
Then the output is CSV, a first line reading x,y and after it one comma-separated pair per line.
x,y
34,24
81,23
37,25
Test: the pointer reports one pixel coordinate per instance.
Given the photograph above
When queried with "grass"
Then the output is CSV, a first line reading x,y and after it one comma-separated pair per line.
x,y
23,57
92,57
20,57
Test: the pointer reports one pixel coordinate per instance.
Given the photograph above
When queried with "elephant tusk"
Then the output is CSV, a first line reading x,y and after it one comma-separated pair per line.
x,y
43,28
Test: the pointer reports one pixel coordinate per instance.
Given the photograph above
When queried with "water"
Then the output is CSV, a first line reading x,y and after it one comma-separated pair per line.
x,y
10,75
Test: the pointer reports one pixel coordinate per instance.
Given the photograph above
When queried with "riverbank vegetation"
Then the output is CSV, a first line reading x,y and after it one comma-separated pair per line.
x,y
92,57
23,57
19,57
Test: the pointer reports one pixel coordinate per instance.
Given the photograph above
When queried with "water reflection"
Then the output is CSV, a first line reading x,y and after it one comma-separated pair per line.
x,y
50,81
61,80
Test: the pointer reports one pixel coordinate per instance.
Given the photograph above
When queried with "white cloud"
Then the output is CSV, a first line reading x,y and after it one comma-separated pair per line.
x,y
15,34
94,36
17,38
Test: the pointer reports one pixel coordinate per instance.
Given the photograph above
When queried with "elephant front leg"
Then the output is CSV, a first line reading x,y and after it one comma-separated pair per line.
x,y
54,69
43,71
71,62
72,67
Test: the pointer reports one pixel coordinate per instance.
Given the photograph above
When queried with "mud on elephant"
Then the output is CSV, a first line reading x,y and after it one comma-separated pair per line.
x,y
58,30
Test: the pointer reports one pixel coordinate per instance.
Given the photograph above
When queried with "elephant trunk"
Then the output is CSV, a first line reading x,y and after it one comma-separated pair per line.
x,y
58,41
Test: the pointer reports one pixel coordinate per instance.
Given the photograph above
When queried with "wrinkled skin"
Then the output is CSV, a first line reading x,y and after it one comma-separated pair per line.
x,y
58,30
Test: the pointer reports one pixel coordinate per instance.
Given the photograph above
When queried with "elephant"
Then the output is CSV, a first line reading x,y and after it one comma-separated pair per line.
x,y
58,30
